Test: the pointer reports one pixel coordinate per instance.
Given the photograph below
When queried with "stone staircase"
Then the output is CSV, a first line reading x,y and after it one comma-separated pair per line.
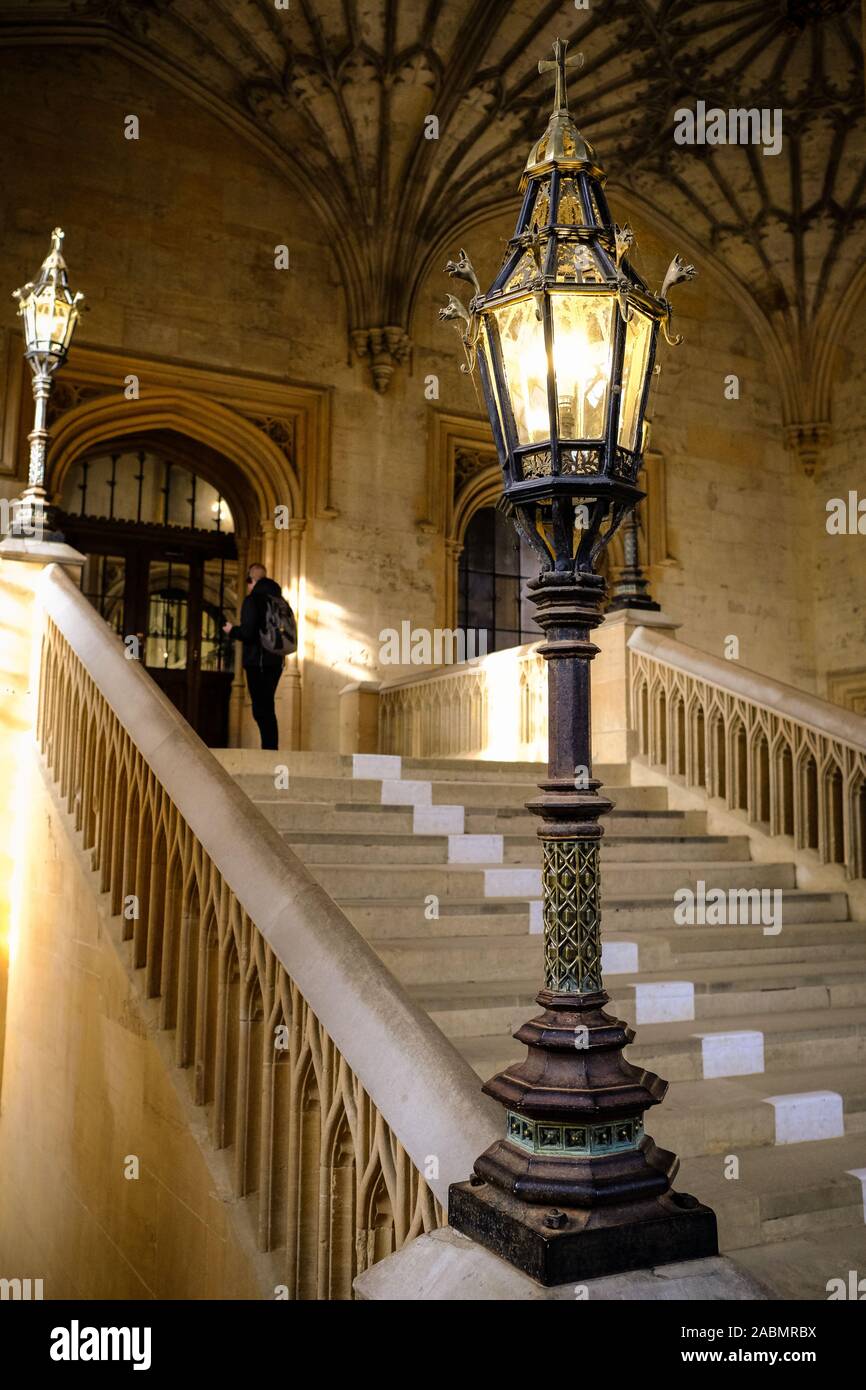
x,y
762,1036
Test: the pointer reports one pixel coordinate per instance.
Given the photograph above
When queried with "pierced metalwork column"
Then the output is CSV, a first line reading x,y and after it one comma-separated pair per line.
x,y
576,1189
631,587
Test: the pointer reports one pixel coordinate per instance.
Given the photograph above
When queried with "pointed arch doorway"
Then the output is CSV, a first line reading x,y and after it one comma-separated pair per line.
x,y
163,521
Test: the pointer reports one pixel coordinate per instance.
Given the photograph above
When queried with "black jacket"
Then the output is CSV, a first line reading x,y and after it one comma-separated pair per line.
x,y
251,624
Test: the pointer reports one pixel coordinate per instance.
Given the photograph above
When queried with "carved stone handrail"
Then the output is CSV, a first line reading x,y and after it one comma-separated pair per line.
x,y
334,1089
493,707
794,763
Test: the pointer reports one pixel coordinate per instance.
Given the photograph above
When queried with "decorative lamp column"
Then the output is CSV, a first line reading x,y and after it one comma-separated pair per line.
x,y
50,312
564,342
631,586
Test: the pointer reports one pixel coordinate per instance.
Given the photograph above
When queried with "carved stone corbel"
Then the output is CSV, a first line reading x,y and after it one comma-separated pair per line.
x,y
807,442
387,348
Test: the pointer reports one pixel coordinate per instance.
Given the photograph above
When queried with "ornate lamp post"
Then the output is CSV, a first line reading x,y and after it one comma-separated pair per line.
x,y
565,341
50,312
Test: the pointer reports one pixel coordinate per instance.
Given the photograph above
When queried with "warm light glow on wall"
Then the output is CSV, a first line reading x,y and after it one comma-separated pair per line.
x,y
21,631
330,639
295,596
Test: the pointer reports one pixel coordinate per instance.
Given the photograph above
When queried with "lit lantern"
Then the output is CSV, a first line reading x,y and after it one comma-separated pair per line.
x,y
565,341
49,308
50,312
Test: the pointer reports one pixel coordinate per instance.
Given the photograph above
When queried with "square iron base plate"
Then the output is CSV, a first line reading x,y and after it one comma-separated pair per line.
x,y
591,1242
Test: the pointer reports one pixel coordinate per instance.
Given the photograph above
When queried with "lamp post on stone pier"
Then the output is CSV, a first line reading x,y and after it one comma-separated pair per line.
x,y
564,341
50,311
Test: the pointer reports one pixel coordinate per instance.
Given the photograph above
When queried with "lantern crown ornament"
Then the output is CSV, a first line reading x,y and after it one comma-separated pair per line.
x,y
50,310
565,342
561,146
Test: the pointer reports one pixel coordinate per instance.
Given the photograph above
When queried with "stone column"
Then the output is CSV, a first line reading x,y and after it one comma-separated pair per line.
x,y
239,699
359,717
291,684
453,551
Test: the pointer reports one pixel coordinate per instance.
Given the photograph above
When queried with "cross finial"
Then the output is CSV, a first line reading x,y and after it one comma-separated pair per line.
x,y
560,63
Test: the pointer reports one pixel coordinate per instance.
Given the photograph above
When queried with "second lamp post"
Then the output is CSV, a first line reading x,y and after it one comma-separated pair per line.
x,y
50,311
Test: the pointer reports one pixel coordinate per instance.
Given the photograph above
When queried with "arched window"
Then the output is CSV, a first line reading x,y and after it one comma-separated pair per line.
x,y
143,486
495,566
161,565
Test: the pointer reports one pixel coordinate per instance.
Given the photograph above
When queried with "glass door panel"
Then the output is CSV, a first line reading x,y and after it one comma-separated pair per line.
x,y
103,585
167,638
219,604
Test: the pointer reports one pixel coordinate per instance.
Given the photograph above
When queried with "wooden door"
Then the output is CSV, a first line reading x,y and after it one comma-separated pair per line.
x,y
174,598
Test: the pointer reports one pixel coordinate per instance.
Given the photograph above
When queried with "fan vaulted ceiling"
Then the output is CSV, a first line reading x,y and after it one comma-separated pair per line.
x,y
337,92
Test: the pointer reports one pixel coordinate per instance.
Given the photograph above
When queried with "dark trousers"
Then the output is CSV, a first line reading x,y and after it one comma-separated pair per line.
x,y
262,682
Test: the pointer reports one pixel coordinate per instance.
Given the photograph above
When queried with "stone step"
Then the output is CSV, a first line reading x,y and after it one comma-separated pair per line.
x,y
383,847
619,880
781,1193
335,818
811,1267
623,919
687,947
241,762
732,1114
492,795
361,817
627,915
386,917
459,769
244,762
480,990
677,1052
619,821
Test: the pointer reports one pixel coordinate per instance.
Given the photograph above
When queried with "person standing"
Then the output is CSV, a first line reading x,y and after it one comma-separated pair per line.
x,y
268,632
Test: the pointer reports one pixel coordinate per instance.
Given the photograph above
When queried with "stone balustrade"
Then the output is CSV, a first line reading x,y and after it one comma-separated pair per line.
x,y
346,1113
495,707
796,765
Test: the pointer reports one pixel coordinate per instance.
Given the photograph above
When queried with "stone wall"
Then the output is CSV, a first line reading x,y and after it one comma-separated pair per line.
x,y
172,239
837,563
85,1090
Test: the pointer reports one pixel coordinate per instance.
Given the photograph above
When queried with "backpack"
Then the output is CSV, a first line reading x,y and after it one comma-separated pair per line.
x,y
279,636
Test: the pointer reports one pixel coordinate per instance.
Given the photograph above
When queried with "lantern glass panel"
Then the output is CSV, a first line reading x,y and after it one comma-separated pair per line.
x,y
28,313
634,369
487,353
48,323
583,332
524,357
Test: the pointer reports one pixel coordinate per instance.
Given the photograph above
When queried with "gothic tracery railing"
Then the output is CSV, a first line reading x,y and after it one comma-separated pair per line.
x,y
333,1187
496,706
796,765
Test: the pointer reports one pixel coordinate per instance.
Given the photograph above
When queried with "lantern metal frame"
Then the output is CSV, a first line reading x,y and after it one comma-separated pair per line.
x,y
566,243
